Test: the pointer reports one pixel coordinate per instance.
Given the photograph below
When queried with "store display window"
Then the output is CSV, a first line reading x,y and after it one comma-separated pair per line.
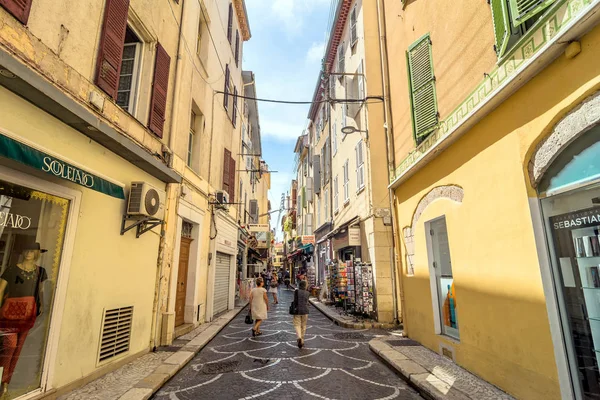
x,y
571,209
442,280
32,229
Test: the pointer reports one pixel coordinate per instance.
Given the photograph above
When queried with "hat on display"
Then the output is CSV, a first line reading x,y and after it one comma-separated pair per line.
x,y
35,246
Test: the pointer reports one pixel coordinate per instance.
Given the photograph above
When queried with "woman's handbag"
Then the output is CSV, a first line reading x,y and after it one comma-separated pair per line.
x,y
294,305
249,319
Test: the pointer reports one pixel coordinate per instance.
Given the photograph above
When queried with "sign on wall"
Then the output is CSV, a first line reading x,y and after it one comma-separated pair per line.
x,y
354,236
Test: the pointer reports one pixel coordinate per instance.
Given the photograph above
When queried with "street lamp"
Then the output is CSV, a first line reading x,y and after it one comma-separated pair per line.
x,y
347,130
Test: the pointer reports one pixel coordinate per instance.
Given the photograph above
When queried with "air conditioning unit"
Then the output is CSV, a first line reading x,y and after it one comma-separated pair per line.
x,y
146,200
222,199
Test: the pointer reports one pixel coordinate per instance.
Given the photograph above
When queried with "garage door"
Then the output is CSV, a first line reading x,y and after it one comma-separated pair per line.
x,y
222,275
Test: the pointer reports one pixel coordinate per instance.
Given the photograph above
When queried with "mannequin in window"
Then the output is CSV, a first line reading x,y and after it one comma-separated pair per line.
x,y
21,299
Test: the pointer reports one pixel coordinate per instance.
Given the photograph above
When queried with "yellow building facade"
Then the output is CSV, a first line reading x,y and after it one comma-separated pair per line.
x,y
480,187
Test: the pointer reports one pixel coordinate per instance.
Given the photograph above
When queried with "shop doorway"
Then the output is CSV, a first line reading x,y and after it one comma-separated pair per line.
x,y
570,192
182,274
32,232
222,279
442,279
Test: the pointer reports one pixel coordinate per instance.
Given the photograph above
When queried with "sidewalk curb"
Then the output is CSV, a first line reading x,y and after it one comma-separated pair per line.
x,y
429,384
146,387
337,319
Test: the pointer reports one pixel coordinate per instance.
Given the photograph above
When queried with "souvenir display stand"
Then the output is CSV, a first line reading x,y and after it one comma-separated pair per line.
x,y
365,298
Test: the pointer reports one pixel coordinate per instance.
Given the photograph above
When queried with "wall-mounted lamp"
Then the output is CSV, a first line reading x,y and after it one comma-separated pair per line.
x,y
348,130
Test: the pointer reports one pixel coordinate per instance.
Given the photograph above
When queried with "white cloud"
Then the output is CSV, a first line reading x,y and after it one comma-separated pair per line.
x,y
290,14
315,53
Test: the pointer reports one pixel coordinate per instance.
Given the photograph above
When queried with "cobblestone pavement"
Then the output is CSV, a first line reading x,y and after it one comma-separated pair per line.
x,y
335,363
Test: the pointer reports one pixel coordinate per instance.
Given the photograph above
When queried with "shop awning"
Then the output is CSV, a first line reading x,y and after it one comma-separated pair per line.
x,y
17,151
306,249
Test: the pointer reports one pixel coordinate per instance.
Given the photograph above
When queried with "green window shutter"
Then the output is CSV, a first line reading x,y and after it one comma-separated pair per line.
x,y
522,10
422,88
501,25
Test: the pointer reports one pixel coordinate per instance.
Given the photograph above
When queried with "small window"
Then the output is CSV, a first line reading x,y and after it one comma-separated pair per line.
x,y
341,59
130,69
326,198
191,140
334,144
346,182
335,194
353,28
360,166
203,40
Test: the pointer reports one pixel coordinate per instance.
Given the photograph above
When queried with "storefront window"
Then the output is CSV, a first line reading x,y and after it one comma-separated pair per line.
x,y
442,278
32,228
572,220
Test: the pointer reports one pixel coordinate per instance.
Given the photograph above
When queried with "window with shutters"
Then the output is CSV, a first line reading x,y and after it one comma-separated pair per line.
x,y
326,205
318,212
226,87
230,24
346,182
335,194
234,109
422,88
512,19
334,135
18,8
237,48
332,87
203,41
360,166
127,92
226,171
341,54
353,27
160,86
191,140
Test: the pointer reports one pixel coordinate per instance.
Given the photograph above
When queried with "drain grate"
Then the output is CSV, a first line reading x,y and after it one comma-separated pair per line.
x,y
349,335
402,343
219,367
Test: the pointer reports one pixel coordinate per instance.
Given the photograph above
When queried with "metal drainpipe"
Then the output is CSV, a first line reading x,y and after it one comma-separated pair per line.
x,y
389,133
154,334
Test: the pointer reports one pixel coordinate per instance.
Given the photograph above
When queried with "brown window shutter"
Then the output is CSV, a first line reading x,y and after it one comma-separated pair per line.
x,y
226,170
237,48
235,103
231,180
226,89
160,87
230,23
112,39
18,8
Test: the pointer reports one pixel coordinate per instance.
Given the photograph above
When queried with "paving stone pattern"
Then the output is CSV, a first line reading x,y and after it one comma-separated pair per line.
x,y
335,363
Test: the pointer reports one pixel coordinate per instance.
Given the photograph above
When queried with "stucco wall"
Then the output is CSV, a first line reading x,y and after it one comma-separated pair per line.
x,y
462,38
501,307
107,270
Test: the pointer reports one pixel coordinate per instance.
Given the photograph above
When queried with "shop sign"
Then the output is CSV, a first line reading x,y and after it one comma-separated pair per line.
x,y
24,154
354,236
10,220
308,239
579,219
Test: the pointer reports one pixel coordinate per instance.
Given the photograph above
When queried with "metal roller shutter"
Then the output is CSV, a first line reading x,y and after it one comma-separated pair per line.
x,y
222,275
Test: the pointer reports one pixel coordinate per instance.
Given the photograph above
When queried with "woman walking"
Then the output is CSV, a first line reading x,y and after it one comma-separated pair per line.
x,y
259,305
301,317
273,289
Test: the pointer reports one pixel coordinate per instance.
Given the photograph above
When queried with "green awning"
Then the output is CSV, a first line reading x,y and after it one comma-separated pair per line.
x,y
17,151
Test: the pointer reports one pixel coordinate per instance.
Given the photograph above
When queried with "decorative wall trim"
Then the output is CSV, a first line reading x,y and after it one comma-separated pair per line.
x,y
242,16
450,192
511,66
568,129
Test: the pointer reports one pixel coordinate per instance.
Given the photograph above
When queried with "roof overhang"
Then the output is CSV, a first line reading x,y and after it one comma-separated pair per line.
x,y
242,16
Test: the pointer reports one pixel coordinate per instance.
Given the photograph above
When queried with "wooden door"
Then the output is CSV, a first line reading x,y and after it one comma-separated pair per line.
x,y
184,258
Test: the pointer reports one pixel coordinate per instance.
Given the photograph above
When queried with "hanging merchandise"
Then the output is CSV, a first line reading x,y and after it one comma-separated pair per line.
x,y
340,281
365,299
350,288
311,276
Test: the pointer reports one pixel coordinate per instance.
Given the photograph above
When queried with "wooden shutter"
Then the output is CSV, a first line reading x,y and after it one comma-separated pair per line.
x,y
522,10
160,87
237,48
501,25
226,89
230,23
226,170
234,118
18,8
353,30
112,39
231,180
422,86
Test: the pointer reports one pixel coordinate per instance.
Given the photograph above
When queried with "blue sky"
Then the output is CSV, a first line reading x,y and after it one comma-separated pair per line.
x,y
285,52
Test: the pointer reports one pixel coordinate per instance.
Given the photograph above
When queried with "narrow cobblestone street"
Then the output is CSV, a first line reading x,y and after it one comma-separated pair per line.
x,y
335,363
